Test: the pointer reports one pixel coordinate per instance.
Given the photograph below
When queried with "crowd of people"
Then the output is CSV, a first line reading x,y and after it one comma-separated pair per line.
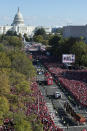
x,y
40,109
74,81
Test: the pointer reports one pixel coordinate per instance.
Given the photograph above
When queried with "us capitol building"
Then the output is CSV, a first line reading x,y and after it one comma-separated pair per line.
x,y
19,26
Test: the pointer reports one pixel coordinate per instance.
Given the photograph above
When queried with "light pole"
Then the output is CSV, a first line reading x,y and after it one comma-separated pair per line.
x,y
38,103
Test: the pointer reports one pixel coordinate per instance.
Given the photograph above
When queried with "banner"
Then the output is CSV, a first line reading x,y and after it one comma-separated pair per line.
x,y
68,58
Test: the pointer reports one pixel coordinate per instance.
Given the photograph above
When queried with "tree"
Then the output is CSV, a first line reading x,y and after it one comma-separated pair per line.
x,y
21,123
23,87
2,37
45,42
58,31
23,65
37,126
20,36
38,38
4,108
16,77
40,31
2,48
55,44
4,84
26,37
84,60
4,105
11,33
68,43
1,118
4,60
14,41
54,40
80,50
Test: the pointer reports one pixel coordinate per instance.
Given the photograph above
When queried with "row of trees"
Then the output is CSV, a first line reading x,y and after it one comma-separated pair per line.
x,y
59,45
40,36
76,46
16,72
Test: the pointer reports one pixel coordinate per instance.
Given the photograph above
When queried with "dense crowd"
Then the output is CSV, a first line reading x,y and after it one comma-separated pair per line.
x,y
39,107
74,81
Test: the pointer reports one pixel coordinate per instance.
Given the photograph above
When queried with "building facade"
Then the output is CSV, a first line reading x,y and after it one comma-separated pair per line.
x,y
48,30
18,26
75,31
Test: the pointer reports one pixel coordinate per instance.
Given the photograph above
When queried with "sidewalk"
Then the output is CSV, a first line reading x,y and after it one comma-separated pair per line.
x,y
52,114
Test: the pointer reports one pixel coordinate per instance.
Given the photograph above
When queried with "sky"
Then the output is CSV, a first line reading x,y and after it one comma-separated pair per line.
x,y
53,13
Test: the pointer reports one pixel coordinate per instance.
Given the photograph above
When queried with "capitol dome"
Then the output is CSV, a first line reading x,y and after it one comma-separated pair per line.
x,y
18,19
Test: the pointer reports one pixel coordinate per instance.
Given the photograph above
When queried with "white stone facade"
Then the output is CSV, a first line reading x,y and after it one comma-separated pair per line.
x,y
18,26
4,29
29,30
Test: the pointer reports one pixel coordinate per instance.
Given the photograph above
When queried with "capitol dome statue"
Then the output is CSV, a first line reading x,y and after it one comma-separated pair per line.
x,y
18,19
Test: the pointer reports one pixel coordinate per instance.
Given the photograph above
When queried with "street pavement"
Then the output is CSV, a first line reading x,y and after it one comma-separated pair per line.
x,y
56,106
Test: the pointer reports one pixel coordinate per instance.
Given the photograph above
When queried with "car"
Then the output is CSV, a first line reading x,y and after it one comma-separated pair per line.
x,y
57,95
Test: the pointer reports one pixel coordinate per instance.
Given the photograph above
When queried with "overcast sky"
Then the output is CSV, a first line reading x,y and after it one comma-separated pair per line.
x,y
45,12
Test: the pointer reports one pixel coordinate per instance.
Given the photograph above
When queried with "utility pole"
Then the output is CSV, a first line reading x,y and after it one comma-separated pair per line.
x,y
38,103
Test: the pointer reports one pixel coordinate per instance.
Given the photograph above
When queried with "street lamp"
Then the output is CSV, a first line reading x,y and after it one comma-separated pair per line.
x,y
38,102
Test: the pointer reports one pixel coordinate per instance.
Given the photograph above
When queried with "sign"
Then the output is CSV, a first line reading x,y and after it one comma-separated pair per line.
x,y
68,58
50,81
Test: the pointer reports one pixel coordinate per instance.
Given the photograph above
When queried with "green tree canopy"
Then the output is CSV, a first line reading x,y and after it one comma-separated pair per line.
x,y
21,123
80,50
26,37
2,47
4,60
40,31
4,108
56,44
16,77
54,40
4,105
4,83
38,38
84,60
23,65
14,41
11,33
23,87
